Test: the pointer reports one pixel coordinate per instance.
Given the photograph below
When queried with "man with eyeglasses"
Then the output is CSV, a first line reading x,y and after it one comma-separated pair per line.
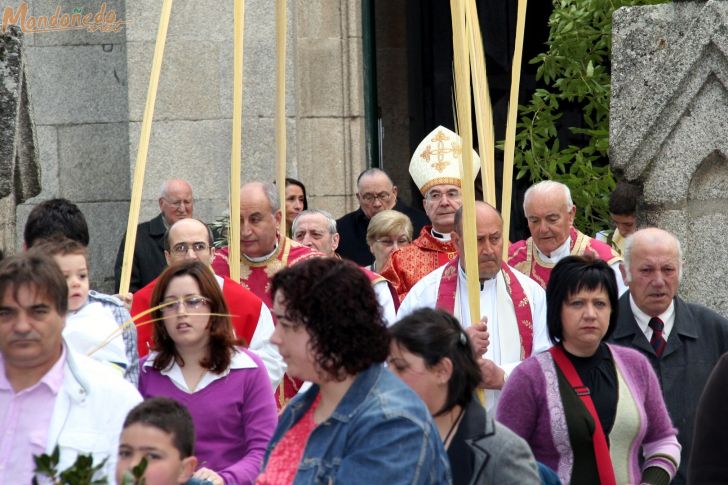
x,y
190,239
375,193
175,203
435,168
316,229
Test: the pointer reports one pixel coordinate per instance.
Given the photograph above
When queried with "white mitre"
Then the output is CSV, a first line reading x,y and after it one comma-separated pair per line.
x,y
436,160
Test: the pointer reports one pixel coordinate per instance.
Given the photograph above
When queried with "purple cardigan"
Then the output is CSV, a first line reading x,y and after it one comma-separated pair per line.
x,y
234,417
531,406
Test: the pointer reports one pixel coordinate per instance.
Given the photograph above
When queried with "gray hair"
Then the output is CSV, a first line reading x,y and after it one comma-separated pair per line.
x,y
330,221
547,186
627,253
271,193
164,188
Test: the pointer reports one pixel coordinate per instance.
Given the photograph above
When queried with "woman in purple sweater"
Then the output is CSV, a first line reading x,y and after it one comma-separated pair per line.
x,y
591,411
195,361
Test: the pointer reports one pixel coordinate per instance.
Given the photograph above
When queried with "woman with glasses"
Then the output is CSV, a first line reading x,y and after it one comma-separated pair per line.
x,y
388,230
195,360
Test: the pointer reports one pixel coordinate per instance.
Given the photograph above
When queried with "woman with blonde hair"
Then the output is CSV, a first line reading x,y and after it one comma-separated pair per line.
x,y
387,231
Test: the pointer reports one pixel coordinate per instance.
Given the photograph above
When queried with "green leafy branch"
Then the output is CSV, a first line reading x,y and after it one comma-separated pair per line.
x,y
575,69
82,472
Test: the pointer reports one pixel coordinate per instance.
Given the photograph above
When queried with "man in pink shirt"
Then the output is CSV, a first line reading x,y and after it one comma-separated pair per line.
x,y
49,395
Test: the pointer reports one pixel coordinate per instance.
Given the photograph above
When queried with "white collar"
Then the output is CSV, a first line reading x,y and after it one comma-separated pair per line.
x,y
240,360
557,254
643,319
260,259
440,235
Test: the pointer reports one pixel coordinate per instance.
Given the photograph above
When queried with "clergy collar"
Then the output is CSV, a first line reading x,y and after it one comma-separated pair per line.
x,y
484,283
260,259
439,235
557,254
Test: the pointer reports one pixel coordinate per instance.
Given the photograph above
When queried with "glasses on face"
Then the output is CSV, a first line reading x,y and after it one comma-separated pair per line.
x,y
382,196
191,303
178,203
389,242
436,195
183,248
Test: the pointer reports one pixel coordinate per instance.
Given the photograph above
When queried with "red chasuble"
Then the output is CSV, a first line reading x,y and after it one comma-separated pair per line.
x,y
408,265
446,301
256,278
523,255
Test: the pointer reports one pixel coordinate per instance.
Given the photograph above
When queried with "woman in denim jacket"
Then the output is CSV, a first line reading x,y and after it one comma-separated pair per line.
x,y
357,423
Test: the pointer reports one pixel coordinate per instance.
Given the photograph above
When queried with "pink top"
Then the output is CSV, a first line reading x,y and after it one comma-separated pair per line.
x,y
286,456
25,418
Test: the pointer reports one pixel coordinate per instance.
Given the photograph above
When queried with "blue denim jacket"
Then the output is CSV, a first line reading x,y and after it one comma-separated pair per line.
x,y
380,433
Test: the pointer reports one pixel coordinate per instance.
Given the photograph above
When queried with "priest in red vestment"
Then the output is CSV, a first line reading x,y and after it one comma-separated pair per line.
x,y
550,213
263,252
435,168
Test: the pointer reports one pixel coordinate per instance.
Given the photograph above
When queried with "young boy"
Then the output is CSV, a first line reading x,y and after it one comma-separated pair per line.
x,y
88,324
161,430
623,212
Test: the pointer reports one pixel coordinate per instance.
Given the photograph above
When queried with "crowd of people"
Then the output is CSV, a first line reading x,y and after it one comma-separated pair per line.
x,y
347,352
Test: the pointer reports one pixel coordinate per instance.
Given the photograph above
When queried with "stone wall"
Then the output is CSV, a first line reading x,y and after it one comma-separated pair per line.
x,y
89,90
668,125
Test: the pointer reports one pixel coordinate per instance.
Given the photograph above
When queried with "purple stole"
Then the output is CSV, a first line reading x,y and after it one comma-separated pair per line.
x,y
446,300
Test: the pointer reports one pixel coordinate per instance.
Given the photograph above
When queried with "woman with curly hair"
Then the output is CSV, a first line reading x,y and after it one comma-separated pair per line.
x,y
195,361
357,423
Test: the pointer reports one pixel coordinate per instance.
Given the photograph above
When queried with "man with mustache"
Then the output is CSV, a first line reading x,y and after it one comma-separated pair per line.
x,y
682,341
49,394
550,213
435,168
512,306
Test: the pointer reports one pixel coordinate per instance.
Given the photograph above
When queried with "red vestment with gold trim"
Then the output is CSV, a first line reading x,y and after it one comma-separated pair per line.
x,y
523,255
408,265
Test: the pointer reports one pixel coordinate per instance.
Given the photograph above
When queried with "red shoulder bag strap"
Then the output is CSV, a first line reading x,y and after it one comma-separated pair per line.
x,y
601,450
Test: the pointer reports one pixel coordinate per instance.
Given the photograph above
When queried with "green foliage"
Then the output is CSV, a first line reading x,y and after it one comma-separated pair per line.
x,y
80,473
135,476
575,69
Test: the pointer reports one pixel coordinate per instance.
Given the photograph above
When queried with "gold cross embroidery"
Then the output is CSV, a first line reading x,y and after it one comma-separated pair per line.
x,y
440,151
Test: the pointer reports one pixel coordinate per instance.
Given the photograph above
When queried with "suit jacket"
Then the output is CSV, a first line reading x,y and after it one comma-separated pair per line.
x,y
696,342
352,229
149,259
495,454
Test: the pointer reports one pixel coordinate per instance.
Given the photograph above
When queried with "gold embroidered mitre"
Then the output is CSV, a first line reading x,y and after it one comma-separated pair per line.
x,y
436,160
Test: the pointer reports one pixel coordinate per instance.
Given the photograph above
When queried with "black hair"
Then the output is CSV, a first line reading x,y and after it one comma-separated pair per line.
x,y
291,181
53,218
334,300
572,275
434,335
169,416
623,199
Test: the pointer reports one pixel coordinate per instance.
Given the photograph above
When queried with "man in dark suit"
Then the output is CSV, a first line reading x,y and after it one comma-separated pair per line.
x,y
683,341
175,203
375,192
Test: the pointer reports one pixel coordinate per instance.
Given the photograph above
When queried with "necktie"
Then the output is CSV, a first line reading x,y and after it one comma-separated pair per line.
x,y
657,341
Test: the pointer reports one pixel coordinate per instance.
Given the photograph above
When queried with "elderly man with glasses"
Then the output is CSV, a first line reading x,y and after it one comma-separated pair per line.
x,y
435,168
175,203
190,239
375,193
